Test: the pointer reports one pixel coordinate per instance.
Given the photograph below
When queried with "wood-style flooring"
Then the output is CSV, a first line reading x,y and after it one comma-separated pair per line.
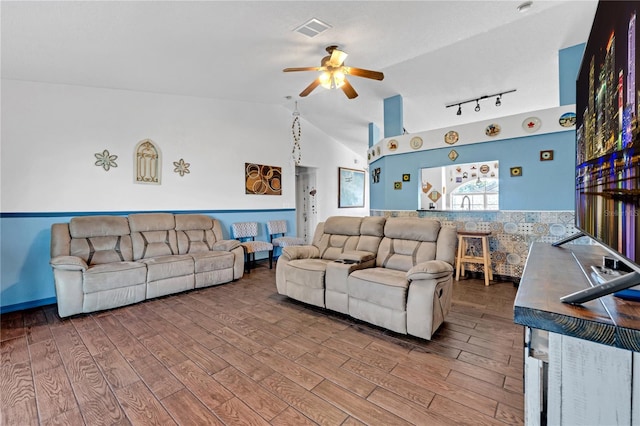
x,y
240,354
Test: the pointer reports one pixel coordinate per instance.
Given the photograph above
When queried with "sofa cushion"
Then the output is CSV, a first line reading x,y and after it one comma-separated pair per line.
x,y
212,261
373,226
380,286
412,228
153,235
113,275
102,249
194,233
307,272
159,268
432,269
100,239
343,225
98,226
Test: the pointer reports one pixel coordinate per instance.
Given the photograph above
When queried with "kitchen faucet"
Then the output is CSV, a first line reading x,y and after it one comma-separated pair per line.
x,y
466,198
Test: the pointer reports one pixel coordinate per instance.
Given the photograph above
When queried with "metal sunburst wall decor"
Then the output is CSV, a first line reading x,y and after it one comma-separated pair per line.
x,y
181,167
105,160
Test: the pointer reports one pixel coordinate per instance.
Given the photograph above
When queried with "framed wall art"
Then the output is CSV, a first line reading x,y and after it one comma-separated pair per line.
x,y
262,180
350,188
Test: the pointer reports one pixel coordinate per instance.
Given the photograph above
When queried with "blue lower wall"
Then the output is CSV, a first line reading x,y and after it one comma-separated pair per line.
x,y
25,275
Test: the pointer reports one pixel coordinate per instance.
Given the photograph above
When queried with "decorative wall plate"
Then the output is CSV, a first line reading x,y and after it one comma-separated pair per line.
x,y
378,150
546,155
568,119
453,154
416,142
492,130
484,169
531,124
515,171
392,145
451,137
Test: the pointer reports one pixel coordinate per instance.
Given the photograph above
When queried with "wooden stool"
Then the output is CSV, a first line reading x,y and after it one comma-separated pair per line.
x,y
485,260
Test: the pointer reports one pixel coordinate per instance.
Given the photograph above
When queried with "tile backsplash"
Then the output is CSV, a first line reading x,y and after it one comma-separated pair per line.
x,y
512,232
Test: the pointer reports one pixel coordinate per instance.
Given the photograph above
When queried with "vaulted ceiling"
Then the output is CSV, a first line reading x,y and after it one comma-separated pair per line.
x,y
433,53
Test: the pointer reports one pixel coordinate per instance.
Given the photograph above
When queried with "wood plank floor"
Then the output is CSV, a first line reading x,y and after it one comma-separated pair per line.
x,y
240,354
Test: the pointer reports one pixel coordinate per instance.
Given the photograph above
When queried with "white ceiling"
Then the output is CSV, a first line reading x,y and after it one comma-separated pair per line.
x,y
433,53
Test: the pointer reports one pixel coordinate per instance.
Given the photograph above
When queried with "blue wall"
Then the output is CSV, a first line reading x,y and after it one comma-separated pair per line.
x,y
25,274
393,116
569,60
544,185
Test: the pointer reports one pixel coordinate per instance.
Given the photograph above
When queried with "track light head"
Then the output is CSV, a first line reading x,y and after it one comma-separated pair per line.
x,y
498,102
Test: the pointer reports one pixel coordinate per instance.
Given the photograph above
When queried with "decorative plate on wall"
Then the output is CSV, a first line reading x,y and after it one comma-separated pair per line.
x,y
392,145
531,124
416,142
378,150
451,137
484,169
453,154
568,119
492,130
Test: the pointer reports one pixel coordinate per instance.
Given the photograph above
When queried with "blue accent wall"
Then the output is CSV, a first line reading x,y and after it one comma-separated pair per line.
x,y
544,185
393,116
374,134
569,60
25,274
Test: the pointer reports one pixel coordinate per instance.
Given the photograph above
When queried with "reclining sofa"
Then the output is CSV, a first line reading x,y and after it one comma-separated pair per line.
x,y
102,262
396,273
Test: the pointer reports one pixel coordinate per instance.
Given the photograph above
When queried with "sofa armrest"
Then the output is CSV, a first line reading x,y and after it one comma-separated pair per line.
x,y
69,263
225,245
300,252
431,269
357,256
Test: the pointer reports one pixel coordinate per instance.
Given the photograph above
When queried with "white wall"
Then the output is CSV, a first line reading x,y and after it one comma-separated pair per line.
x,y
50,134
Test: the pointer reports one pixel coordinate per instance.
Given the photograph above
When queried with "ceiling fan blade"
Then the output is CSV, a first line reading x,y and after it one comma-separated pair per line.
x,y
348,90
315,83
359,72
337,58
304,69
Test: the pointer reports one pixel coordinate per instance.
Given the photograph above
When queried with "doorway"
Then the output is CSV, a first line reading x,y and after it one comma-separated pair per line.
x,y
306,202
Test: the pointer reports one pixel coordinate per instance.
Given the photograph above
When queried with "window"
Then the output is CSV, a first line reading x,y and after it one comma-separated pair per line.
x,y
460,187
481,194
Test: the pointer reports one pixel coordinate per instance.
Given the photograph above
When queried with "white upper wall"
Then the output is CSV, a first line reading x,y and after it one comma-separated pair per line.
x,y
51,132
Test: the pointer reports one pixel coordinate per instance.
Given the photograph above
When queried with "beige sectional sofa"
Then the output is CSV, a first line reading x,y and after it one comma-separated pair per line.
x,y
396,273
102,262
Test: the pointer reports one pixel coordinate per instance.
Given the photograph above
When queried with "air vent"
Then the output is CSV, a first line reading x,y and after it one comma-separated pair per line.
x,y
313,27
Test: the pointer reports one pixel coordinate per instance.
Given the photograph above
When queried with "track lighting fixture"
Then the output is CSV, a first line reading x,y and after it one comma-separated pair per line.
x,y
477,101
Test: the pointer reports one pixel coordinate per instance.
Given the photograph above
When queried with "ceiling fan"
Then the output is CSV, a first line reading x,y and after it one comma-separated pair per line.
x,y
334,73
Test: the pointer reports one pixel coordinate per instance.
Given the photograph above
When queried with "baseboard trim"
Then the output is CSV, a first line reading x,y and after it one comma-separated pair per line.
x,y
27,305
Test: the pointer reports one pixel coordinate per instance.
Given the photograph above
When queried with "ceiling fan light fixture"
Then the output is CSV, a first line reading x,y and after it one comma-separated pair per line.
x,y
332,79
